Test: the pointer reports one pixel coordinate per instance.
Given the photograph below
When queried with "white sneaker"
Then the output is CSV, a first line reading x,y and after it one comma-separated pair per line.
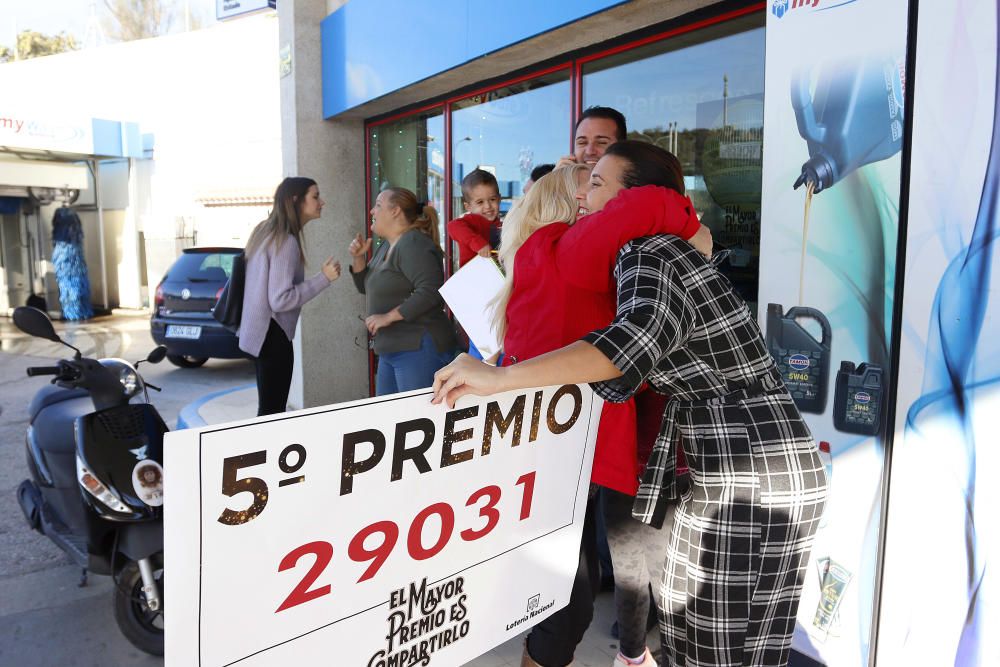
x,y
647,661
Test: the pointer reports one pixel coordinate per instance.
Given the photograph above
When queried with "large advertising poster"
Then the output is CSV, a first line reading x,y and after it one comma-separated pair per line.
x,y
940,593
833,131
376,533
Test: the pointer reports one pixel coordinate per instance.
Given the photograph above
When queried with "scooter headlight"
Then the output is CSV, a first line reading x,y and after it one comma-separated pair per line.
x,y
130,381
96,488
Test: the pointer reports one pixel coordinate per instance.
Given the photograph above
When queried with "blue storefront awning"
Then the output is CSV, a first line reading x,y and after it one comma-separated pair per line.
x,y
418,39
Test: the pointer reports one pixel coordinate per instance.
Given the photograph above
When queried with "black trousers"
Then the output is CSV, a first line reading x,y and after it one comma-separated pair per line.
x,y
274,371
552,642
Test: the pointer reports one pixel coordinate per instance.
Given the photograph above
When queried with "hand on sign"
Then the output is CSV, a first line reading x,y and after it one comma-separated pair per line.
x,y
466,375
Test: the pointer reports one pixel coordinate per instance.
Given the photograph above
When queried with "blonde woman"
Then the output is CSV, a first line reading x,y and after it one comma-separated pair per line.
x,y
559,286
413,336
275,288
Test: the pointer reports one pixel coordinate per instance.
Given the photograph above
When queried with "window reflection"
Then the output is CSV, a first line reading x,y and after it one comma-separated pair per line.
x,y
409,153
509,131
701,96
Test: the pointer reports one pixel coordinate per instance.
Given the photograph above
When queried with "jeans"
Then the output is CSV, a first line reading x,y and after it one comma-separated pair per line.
x,y
413,369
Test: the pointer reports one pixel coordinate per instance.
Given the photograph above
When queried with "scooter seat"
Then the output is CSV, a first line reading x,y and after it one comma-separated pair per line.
x,y
50,395
54,424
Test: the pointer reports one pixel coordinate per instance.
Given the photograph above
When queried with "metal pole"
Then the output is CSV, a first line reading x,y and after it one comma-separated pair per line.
x,y
100,233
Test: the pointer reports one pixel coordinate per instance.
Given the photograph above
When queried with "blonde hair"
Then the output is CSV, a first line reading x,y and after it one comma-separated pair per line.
x,y
421,215
285,218
551,199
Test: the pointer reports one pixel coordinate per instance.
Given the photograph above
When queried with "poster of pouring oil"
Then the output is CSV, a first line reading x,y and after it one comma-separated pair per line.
x,y
833,131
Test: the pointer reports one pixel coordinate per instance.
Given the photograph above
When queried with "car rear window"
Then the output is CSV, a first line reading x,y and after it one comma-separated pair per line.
x,y
202,267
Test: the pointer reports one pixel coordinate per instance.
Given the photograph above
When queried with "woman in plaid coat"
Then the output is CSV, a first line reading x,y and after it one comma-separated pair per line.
x,y
743,531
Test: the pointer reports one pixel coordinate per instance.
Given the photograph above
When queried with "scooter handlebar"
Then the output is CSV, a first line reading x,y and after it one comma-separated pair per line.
x,y
43,370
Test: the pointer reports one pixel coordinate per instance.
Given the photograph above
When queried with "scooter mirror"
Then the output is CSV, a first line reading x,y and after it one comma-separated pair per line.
x,y
158,354
35,323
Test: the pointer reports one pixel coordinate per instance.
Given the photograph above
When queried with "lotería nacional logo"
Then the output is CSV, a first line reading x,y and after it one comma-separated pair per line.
x,y
534,608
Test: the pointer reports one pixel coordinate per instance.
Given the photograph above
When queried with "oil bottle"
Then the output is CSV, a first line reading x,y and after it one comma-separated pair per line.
x,y
803,361
855,117
858,398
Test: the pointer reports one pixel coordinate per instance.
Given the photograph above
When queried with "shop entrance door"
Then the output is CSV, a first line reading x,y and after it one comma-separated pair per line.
x,y
13,252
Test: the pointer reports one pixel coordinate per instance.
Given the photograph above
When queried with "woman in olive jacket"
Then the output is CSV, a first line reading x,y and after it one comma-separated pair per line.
x,y
413,336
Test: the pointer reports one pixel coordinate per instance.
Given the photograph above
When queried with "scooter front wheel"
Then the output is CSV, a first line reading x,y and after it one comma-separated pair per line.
x,y
142,626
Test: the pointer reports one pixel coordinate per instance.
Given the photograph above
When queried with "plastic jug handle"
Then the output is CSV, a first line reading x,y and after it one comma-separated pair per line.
x,y
806,311
805,115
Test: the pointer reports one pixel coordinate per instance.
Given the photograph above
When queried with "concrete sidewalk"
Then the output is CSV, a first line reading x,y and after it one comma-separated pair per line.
x,y
598,648
219,407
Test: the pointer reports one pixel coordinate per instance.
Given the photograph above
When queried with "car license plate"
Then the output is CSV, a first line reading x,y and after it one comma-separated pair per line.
x,y
177,331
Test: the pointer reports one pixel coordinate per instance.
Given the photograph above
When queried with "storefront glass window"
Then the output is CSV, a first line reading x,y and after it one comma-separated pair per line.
x,y
509,131
409,153
700,95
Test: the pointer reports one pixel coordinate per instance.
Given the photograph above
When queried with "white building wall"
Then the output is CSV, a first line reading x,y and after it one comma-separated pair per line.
x,y
210,98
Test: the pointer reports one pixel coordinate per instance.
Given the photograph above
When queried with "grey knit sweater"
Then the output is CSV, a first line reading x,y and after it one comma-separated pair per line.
x,y
407,278
275,289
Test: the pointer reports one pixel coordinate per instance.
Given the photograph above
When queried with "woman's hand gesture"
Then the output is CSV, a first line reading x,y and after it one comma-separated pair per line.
x,y
331,269
359,246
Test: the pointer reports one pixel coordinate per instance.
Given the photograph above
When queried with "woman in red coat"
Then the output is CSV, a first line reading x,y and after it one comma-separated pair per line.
x,y
559,287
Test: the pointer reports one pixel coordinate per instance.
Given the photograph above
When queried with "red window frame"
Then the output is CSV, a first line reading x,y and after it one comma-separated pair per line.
x,y
575,65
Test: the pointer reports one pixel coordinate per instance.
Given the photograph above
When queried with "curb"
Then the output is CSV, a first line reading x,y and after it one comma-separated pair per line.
x,y
190,417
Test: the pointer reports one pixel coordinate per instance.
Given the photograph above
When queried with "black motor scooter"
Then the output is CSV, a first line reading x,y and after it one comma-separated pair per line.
x,y
95,457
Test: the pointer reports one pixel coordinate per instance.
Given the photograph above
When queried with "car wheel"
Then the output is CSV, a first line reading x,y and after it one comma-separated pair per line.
x,y
186,361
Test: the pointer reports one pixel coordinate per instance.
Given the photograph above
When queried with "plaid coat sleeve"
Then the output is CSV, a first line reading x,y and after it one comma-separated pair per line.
x,y
654,318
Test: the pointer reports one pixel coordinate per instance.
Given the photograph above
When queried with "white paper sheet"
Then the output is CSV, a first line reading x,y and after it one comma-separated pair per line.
x,y
467,293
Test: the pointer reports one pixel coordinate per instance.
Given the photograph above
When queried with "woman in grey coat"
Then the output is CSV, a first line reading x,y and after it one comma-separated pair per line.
x,y
276,288
413,336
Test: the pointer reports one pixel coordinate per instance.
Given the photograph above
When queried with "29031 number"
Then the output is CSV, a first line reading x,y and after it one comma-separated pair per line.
x,y
386,533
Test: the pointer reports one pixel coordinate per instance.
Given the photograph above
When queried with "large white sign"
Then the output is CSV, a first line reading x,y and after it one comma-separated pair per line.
x,y
376,533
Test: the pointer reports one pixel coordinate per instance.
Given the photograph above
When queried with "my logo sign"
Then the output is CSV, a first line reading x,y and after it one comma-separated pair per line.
x,y
863,397
799,361
780,7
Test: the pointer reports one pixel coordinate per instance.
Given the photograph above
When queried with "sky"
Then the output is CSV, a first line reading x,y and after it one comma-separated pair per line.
x,y
72,16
